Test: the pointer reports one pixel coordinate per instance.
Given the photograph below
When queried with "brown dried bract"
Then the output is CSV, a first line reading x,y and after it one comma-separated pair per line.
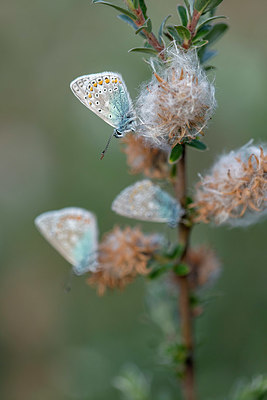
x,y
123,254
204,266
141,158
227,194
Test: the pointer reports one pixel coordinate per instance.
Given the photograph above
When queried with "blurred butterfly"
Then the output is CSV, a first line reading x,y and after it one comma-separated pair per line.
x,y
107,96
73,233
147,202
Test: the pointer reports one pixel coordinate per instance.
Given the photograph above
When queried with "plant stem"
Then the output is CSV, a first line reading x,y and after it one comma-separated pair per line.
x,y
185,313
192,24
151,38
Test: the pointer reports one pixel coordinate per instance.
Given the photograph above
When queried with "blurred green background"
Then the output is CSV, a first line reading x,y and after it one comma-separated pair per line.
x,y
60,346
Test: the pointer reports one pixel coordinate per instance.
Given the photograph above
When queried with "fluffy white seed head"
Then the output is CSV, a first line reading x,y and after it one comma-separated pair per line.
x,y
177,103
234,192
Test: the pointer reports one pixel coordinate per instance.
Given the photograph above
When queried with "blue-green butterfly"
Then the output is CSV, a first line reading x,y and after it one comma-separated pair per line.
x,y
148,202
107,96
73,233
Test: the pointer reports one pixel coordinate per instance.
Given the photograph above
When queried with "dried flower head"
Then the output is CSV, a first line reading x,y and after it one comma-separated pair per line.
x,y
123,254
178,102
142,158
204,266
234,192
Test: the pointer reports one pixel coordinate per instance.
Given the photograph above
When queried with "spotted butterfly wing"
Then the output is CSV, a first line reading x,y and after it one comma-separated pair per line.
x,y
107,96
147,202
73,233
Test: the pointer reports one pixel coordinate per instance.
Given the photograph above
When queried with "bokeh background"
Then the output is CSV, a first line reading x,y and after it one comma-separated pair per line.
x,y
62,346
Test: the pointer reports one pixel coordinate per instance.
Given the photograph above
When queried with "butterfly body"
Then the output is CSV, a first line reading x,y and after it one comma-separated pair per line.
x,y
73,233
147,202
107,96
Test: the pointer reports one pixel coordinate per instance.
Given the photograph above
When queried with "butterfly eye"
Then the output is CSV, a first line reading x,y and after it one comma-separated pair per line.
x,y
118,134
96,95
97,103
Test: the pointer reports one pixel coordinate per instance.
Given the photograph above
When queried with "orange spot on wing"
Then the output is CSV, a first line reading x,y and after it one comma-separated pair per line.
x,y
95,84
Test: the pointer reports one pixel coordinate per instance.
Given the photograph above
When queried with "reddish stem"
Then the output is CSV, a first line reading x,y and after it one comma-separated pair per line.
x,y
151,38
186,317
192,28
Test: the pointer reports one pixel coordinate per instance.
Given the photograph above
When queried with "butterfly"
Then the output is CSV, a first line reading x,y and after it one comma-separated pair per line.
x,y
73,233
107,96
147,202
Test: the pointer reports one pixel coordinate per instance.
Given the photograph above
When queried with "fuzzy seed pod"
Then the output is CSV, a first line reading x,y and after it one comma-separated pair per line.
x,y
141,158
234,192
123,254
176,105
204,266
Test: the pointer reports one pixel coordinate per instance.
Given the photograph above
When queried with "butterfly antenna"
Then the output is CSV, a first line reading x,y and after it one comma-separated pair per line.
x,y
107,146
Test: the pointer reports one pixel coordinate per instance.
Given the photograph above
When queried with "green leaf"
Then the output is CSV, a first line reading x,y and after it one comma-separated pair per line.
x,y
204,54
183,32
181,269
173,32
175,252
130,22
143,50
209,68
155,273
162,26
197,144
147,26
122,10
216,32
143,7
210,19
176,154
135,3
201,32
183,15
200,43
189,6
203,6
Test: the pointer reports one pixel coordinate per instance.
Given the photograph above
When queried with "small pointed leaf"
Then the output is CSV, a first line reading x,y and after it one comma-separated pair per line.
x,y
143,50
201,32
189,6
216,32
183,32
183,15
203,6
130,22
209,20
176,154
200,43
120,9
197,144
173,32
204,54
143,7
209,68
181,269
162,26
